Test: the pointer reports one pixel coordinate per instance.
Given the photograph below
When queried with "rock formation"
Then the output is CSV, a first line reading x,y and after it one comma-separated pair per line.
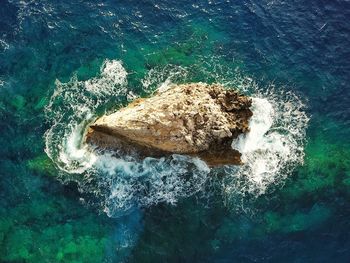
x,y
196,119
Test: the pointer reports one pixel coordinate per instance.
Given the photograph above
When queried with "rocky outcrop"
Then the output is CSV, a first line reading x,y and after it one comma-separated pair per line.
x,y
197,119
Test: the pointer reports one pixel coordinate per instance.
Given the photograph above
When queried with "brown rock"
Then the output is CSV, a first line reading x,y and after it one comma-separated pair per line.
x,y
197,119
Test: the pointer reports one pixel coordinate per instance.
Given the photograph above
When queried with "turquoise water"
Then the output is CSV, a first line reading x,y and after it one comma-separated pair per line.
x,y
64,63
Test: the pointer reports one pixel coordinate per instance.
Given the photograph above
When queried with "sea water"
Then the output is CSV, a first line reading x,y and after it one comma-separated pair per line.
x,y
63,64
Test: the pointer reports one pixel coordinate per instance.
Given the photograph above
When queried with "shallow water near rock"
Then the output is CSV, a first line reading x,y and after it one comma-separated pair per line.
x,y
64,64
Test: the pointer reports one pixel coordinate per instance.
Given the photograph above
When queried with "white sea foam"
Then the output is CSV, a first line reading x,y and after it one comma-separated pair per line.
x,y
259,124
270,150
272,147
260,151
161,78
72,107
113,75
4,45
134,183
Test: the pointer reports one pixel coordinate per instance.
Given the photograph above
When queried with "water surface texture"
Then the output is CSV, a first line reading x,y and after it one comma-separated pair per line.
x,y
65,63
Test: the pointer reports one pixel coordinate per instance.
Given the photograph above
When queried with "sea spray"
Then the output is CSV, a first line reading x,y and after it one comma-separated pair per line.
x,y
72,106
272,147
122,183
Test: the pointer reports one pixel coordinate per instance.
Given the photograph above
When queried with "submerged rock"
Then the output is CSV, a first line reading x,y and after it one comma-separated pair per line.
x,y
196,119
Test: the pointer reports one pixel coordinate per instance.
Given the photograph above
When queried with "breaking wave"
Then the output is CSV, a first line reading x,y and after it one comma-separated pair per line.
x,y
272,147
270,150
72,106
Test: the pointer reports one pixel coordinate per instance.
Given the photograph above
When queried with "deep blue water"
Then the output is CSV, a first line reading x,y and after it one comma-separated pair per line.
x,y
63,63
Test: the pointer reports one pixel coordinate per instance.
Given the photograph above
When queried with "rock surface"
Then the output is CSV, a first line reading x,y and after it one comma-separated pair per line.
x,y
197,118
